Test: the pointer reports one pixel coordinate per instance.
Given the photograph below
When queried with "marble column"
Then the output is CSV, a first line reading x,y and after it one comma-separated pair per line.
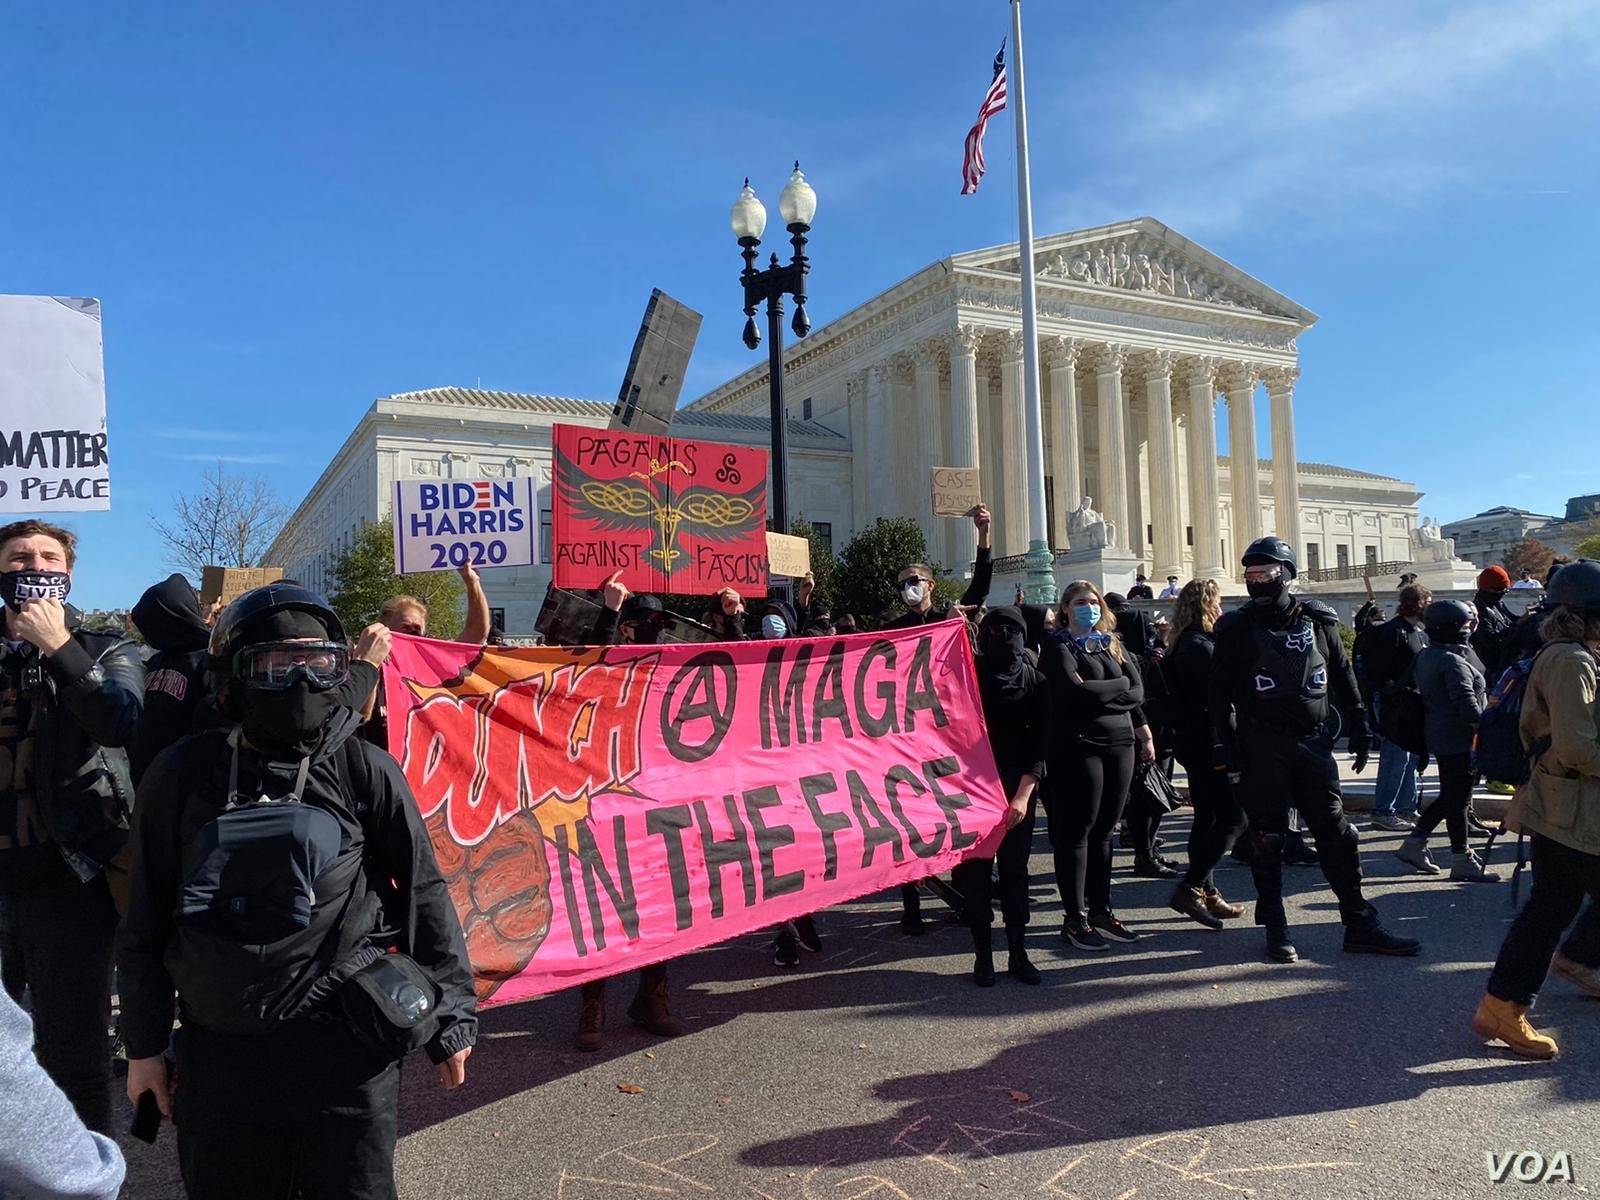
x,y
1113,502
1285,471
880,441
1011,522
855,391
964,441
988,430
1243,471
1066,453
925,381
1164,513
1204,490
1134,423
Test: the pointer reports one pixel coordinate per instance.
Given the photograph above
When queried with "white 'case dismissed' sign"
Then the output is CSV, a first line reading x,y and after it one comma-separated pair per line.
x,y
53,455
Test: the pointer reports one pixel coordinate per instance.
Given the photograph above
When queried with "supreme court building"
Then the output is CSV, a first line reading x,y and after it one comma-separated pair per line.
x,y
1142,333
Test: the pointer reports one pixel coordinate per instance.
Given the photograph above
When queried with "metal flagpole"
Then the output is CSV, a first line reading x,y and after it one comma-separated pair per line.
x,y
1040,562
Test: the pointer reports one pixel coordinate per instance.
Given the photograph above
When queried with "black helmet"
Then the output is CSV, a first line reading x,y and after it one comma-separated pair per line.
x,y
249,620
1446,616
1576,585
1265,551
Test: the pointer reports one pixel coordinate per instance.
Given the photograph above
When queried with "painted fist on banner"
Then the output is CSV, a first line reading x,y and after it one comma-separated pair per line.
x,y
501,890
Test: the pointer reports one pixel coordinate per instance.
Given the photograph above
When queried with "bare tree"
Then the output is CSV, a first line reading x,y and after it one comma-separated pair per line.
x,y
228,521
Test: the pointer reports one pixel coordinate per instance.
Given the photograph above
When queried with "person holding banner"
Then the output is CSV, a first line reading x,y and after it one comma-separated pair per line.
x,y
1016,714
633,620
915,583
1096,722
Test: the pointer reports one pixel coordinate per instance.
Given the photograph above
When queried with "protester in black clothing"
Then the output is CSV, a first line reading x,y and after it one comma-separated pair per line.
x,y
69,700
1275,664
915,582
1131,625
725,613
280,869
1140,823
630,619
168,617
1450,679
1041,622
1218,819
1014,709
1386,655
846,624
1494,622
1139,591
1096,721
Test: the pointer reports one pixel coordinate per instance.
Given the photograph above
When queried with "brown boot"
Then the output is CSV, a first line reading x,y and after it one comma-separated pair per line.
x,y
649,1008
1587,978
1218,907
1497,1018
592,1016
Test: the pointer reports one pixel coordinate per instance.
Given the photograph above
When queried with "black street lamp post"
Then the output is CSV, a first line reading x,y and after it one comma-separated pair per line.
x,y
797,204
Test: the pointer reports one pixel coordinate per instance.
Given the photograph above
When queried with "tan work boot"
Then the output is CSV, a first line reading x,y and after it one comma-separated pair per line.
x,y
1587,978
592,1016
1497,1018
649,1009
1218,907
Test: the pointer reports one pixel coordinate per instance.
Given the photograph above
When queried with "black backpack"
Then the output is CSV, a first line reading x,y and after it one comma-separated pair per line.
x,y
1401,716
274,905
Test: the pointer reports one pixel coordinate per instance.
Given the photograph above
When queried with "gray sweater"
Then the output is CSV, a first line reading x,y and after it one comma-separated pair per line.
x,y
1451,681
45,1151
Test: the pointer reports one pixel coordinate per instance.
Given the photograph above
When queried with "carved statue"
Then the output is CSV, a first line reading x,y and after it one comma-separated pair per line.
x,y
1429,545
1088,530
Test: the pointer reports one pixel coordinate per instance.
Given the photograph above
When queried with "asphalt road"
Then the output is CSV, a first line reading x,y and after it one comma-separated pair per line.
x,y
1182,1066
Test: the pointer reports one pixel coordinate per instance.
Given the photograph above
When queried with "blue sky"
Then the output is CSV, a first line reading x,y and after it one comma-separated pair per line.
x,y
289,210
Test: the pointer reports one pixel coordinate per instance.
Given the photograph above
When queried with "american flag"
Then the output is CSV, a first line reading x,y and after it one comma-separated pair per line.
x,y
994,100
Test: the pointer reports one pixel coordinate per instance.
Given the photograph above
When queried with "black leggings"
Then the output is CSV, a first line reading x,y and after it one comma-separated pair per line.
x,y
1562,877
1084,796
972,880
1455,793
1218,817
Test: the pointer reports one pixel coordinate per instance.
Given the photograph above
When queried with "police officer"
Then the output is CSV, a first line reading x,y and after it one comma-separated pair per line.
x,y
1274,664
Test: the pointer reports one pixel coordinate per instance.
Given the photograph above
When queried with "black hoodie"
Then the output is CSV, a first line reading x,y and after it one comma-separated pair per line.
x,y
168,615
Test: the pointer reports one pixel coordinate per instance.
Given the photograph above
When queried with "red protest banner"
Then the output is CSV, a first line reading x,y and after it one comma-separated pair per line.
x,y
599,809
672,514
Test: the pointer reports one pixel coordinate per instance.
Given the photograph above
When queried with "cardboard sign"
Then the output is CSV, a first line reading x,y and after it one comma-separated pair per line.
x,y
602,809
229,583
955,490
672,514
443,524
788,555
53,448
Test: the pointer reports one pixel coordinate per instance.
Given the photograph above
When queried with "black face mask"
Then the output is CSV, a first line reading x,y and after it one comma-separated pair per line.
x,y
287,722
17,587
1269,593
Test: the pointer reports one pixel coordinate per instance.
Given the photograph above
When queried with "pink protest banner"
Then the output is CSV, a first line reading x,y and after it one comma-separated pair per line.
x,y
599,809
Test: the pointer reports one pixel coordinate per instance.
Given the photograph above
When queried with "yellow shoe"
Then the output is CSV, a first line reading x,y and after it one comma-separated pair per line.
x,y
1498,788
1508,1022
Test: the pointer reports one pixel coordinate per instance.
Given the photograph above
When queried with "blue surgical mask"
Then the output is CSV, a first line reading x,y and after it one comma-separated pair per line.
x,y
1085,616
773,626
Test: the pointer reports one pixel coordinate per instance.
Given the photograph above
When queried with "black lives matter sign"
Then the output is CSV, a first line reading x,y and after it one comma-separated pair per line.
x,y
54,455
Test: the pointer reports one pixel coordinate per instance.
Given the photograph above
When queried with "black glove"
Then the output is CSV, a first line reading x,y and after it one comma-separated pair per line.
x,y
1361,748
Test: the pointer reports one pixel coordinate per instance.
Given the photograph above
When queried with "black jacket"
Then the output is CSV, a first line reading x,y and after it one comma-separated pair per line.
x,y
405,903
1490,639
1019,727
1386,652
1134,630
1246,685
88,697
977,592
1187,670
1102,708
168,615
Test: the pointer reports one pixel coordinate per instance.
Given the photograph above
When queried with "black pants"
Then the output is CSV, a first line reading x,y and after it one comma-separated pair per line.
x,y
1455,793
1085,793
1562,877
307,1113
974,881
1218,819
1278,772
56,941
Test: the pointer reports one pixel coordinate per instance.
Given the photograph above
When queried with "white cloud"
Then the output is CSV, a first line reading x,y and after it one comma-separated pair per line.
x,y
1353,109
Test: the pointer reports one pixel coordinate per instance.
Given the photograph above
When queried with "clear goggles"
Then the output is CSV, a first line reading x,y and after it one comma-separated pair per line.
x,y
274,666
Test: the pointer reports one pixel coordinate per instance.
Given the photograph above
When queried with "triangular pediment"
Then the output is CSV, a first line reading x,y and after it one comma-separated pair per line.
x,y
1144,256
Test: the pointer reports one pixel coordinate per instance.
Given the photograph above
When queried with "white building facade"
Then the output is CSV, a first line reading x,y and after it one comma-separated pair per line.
x,y
1143,335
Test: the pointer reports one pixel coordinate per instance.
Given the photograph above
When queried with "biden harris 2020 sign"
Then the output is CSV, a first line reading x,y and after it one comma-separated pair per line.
x,y
440,524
